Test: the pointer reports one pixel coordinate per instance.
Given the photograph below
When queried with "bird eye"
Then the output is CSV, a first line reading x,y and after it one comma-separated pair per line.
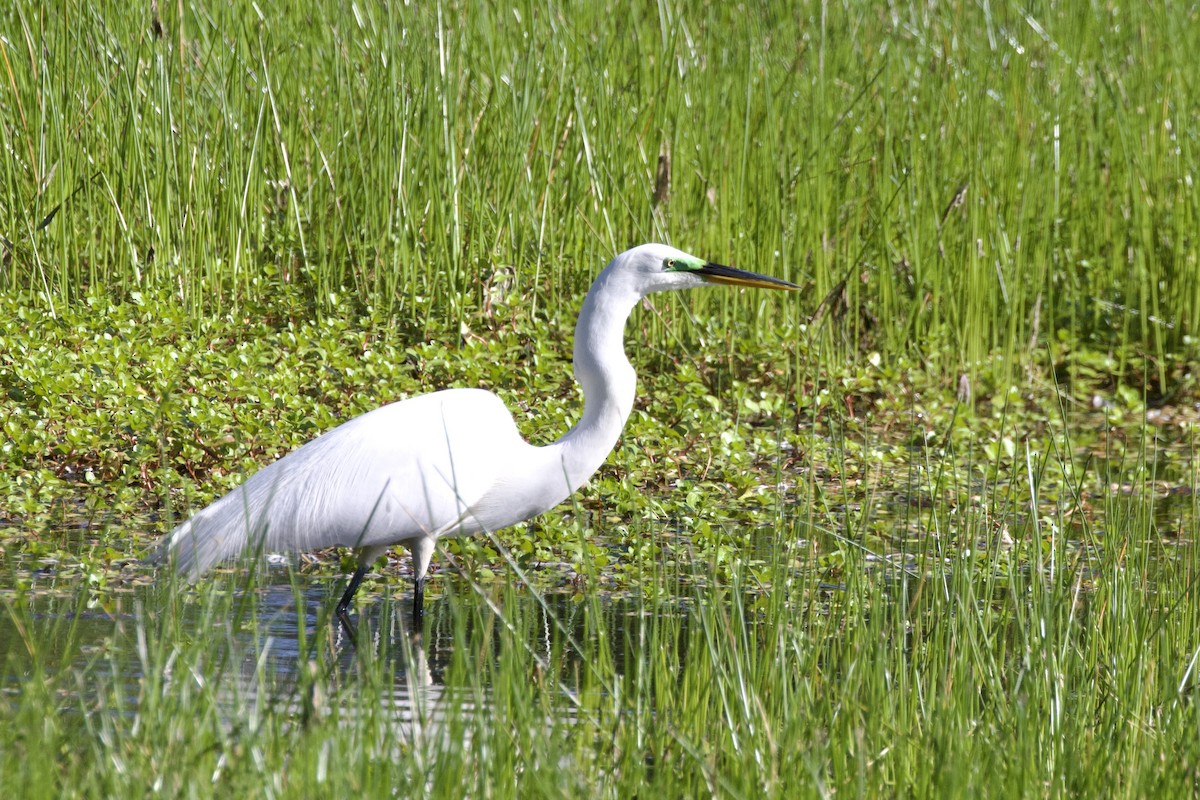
x,y
669,263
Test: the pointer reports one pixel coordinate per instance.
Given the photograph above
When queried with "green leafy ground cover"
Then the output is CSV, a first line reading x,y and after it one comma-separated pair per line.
x,y
924,530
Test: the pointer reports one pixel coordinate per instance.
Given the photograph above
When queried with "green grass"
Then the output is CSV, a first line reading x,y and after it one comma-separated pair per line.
x,y
794,577
982,176
1032,671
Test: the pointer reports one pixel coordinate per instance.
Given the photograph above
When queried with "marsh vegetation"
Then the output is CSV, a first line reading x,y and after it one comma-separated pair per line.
x,y
927,529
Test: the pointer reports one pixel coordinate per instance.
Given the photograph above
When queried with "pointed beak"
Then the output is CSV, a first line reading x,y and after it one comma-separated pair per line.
x,y
719,273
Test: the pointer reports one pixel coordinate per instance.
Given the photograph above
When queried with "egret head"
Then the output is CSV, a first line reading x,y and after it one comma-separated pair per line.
x,y
659,267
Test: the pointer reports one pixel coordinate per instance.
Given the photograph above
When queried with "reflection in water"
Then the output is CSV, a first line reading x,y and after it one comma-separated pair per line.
x,y
277,650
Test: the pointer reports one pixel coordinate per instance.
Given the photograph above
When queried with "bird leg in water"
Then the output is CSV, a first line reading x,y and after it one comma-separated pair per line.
x,y
418,605
343,606
347,597
451,453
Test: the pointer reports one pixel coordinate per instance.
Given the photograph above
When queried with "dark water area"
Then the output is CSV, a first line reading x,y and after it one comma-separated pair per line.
x,y
277,647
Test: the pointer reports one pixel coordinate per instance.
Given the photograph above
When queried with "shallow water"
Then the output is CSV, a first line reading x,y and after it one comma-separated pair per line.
x,y
278,647
286,654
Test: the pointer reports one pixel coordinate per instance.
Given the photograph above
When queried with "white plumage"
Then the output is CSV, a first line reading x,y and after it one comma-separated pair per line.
x,y
448,463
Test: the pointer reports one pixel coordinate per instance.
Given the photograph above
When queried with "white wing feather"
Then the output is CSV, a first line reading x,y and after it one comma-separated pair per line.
x,y
408,470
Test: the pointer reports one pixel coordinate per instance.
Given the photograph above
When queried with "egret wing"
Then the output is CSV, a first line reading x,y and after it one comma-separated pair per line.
x,y
405,470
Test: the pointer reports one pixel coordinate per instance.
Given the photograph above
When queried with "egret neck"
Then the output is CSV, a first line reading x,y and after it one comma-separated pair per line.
x,y
449,463
605,375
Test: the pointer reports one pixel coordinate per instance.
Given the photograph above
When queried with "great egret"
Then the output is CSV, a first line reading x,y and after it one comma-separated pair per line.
x,y
450,463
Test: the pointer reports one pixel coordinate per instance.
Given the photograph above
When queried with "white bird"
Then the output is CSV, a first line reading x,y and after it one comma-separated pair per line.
x,y
450,463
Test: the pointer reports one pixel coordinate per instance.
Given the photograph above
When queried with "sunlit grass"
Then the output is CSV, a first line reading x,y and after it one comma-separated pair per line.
x,y
1030,670
976,177
924,531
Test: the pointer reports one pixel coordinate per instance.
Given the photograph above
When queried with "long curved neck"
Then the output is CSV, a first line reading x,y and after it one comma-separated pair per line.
x,y
605,375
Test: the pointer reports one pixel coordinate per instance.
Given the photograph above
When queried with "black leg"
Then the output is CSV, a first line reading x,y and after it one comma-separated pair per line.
x,y
418,604
344,604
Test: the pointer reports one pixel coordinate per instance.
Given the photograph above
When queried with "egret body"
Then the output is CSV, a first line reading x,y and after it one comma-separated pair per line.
x,y
450,463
